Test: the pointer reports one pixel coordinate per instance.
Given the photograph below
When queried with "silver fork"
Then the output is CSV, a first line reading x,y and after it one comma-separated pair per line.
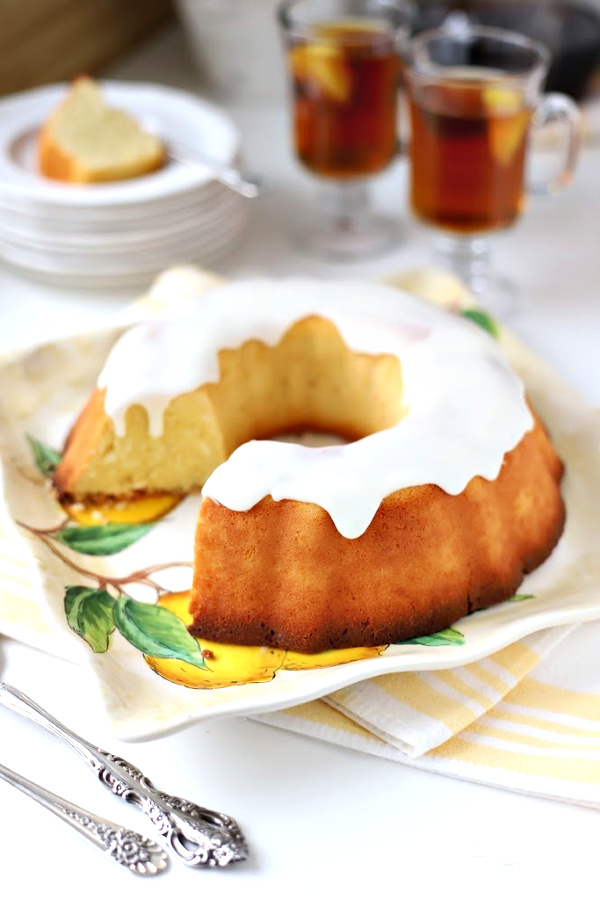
x,y
128,848
196,835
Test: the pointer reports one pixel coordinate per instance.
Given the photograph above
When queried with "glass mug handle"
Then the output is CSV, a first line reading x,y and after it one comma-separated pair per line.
x,y
558,108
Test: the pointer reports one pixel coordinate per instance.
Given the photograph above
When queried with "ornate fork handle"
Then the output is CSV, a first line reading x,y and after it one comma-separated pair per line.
x,y
198,836
128,848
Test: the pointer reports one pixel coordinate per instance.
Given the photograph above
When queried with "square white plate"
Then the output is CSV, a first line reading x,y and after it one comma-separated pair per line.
x,y
43,390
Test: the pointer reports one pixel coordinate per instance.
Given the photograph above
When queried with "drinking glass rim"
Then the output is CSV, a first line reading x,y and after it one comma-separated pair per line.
x,y
291,25
502,35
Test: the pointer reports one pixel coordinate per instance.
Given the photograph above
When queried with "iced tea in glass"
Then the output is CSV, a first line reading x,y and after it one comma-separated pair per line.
x,y
345,96
474,94
470,139
343,66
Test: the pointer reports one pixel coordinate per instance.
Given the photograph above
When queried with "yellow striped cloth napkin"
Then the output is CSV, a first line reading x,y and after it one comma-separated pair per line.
x,y
496,721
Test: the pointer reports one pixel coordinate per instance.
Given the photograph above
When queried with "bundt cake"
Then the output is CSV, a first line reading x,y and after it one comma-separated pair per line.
x,y
447,494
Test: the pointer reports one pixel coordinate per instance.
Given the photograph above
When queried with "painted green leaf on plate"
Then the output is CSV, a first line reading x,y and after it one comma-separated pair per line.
x,y
440,638
45,457
156,631
483,319
102,540
90,614
519,597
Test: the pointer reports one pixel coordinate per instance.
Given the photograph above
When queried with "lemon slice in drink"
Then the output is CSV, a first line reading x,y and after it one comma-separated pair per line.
x,y
508,121
322,65
502,101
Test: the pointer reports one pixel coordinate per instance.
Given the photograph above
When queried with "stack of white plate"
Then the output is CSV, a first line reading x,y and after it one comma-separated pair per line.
x,y
120,233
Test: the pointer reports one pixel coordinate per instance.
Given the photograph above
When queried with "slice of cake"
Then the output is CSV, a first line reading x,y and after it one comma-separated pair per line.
x,y
86,140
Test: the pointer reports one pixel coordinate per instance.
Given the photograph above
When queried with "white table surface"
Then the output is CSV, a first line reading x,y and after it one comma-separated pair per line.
x,y
317,817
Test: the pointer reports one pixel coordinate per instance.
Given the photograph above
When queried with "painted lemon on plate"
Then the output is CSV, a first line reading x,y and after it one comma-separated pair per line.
x,y
226,664
231,664
128,512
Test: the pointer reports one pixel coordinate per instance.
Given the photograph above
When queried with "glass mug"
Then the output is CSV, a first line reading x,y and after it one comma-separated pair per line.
x,y
344,72
474,93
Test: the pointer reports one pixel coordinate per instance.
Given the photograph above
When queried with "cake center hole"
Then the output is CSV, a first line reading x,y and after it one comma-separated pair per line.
x,y
310,384
310,438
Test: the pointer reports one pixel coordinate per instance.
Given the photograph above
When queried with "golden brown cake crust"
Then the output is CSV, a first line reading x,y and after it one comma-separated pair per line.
x,y
82,442
281,574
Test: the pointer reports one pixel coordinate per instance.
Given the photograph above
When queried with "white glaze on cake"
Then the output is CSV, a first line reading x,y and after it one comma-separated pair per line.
x,y
465,406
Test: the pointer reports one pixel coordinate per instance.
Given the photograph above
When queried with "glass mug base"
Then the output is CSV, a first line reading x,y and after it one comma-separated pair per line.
x,y
347,228
468,257
346,239
497,295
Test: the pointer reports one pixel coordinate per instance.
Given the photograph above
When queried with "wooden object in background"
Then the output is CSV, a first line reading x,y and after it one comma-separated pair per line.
x,y
42,41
